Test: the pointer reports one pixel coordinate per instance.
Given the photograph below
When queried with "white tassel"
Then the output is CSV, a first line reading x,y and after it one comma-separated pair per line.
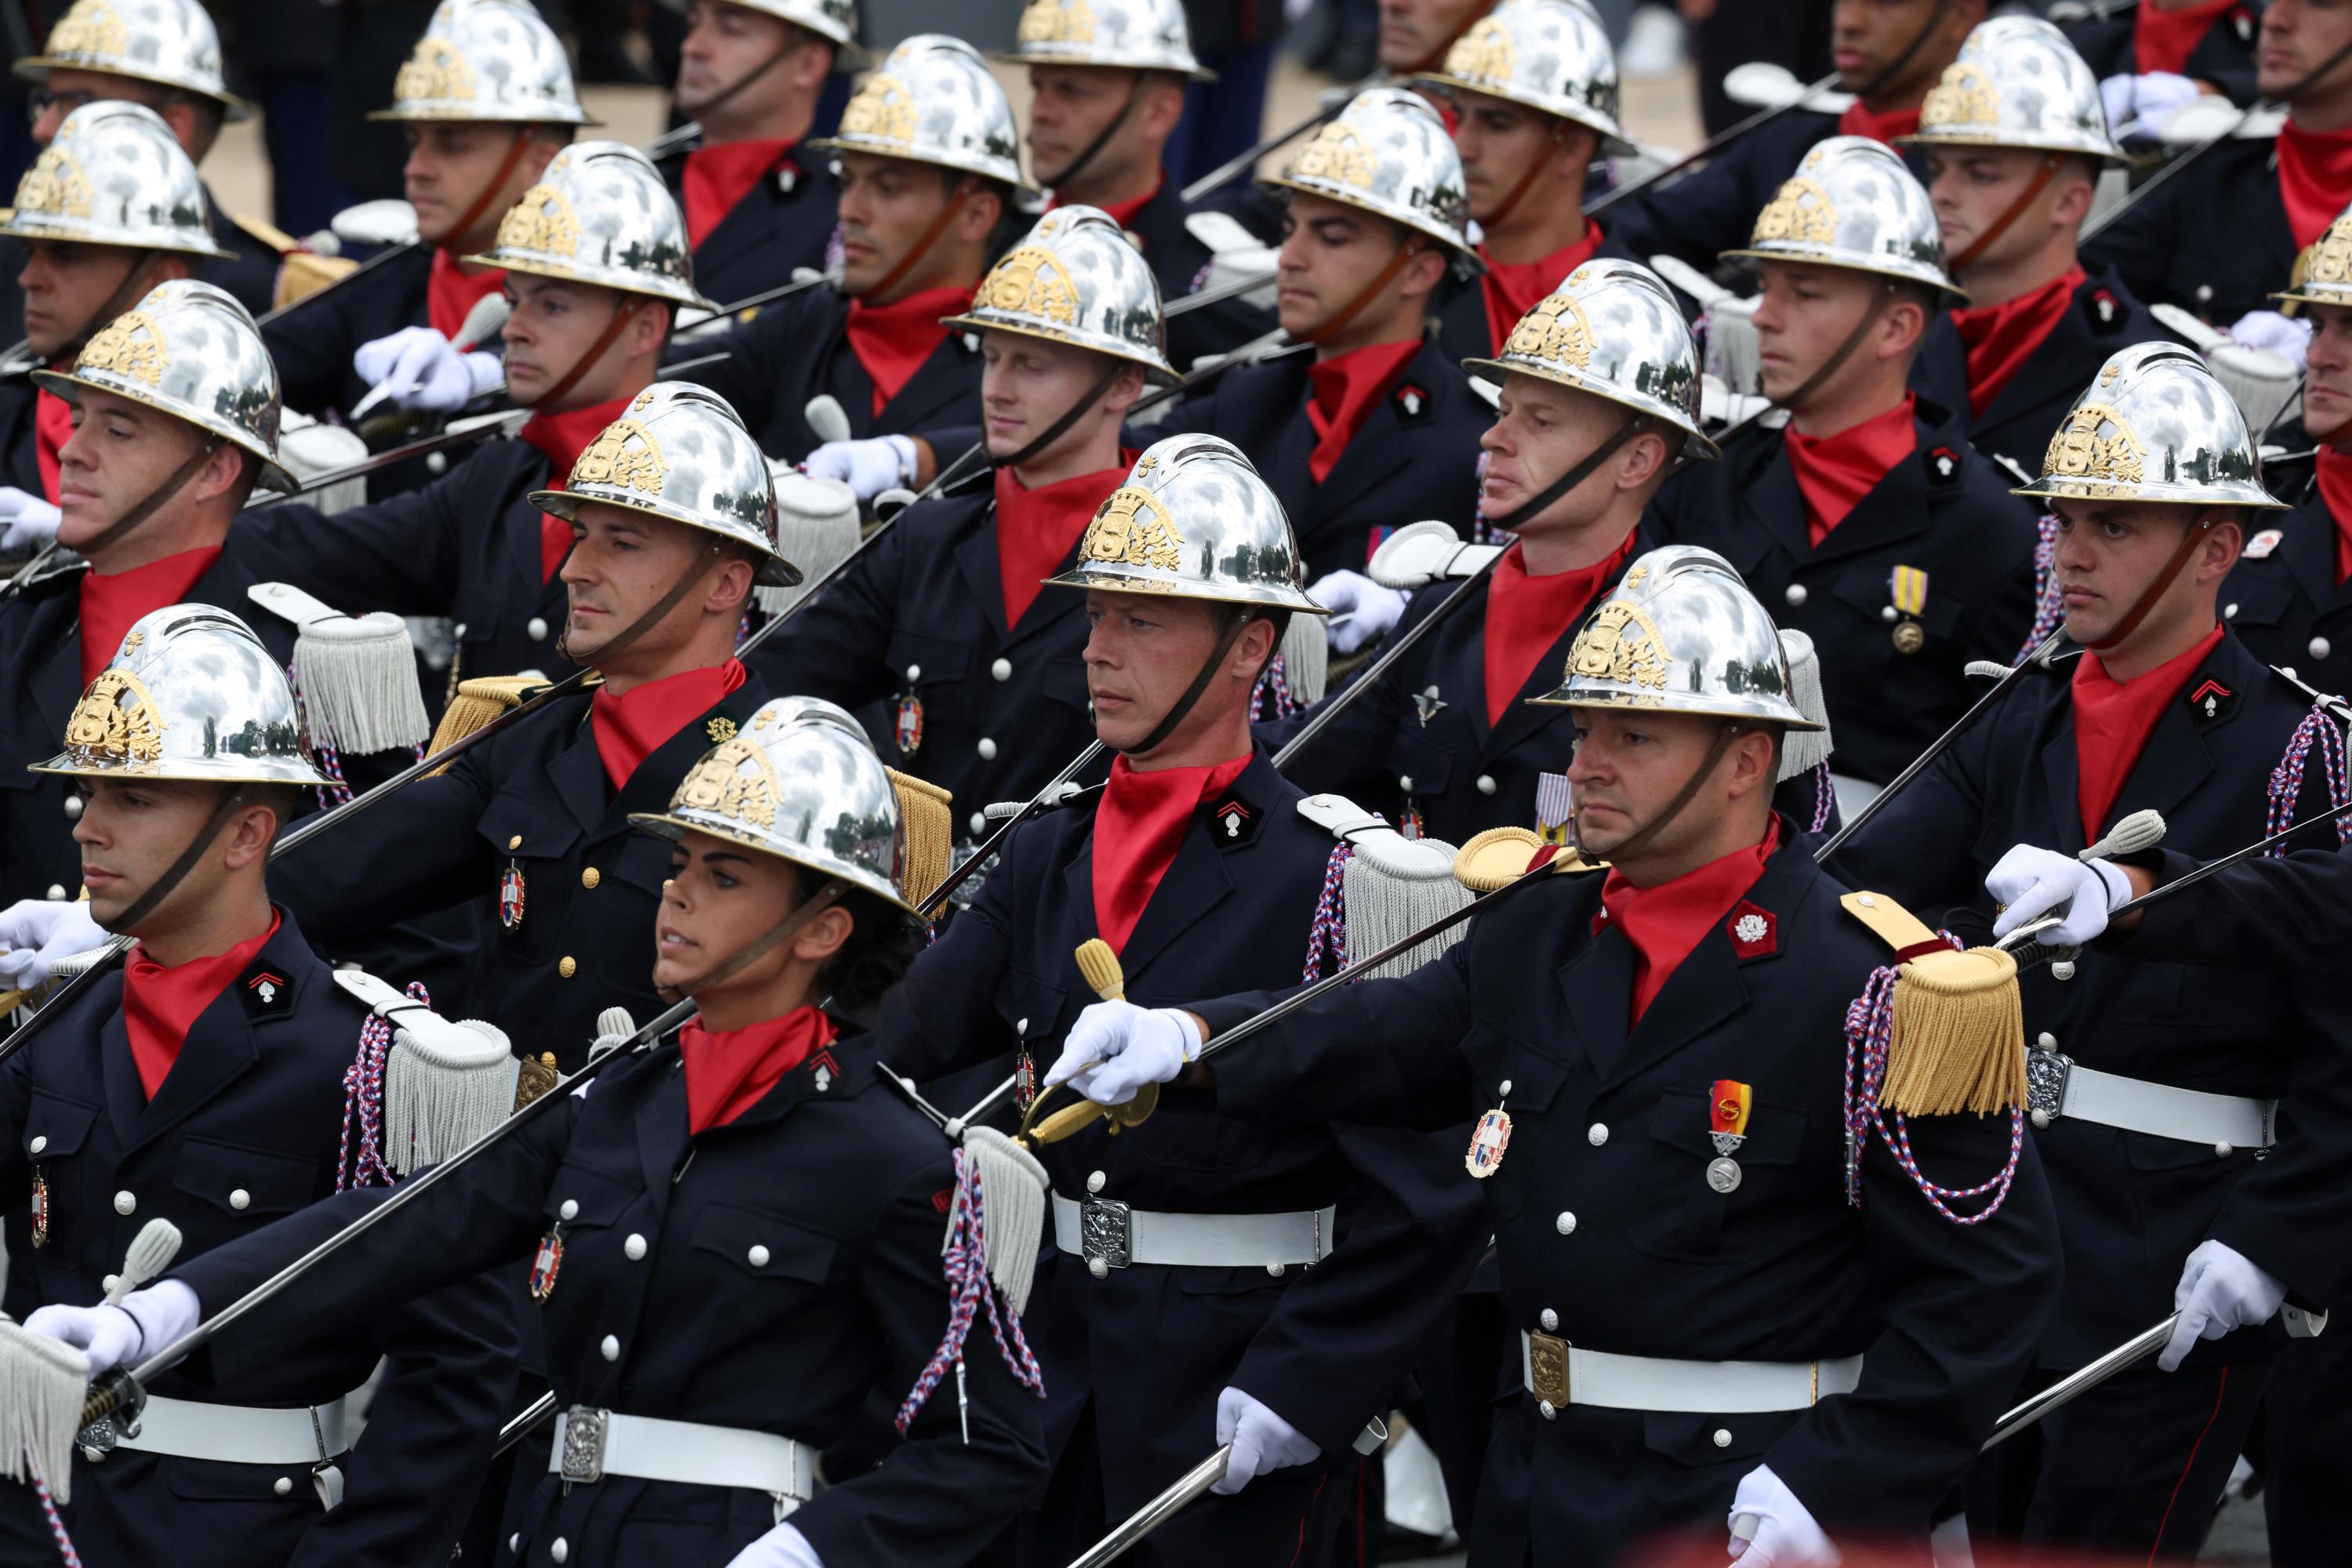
x,y
42,1382
152,1251
357,678
2264,382
444,1087
307,450
1733,356
1393,886
1801,750
816,528
1012,1185
1305,659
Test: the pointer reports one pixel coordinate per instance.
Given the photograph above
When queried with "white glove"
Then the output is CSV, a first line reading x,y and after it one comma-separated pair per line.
x,y
2139,105
1262,1441
2219,1290
1116,1047
1361,610
2269,329
1786,1534
419,368
867,468
26,521
146,1322
35,931
2033,881
783,1547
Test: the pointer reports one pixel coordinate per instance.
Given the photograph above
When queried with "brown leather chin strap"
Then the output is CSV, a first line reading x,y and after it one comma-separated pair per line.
x,y
2189,538
132,286
622,314
1061,427
2016,209
1582,470
1192,694
603,654
1324,331
755,73
815,904
1640,836
488,193
173,482
1894,67
1536,167
146,903
1839,355
881,291
1087,153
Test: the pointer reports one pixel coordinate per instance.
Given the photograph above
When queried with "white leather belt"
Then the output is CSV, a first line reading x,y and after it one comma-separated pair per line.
x,y
2058,1086
1559,1374
247,1434
590,1443
1111,1236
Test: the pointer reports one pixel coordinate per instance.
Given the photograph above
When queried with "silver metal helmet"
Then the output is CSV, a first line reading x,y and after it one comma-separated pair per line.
x,y
1075,279
932,101
171,43
1192,521
1611,329
2323,270
1681,634
1852,203
1389,153
2018,83
1131,35
601,213
114,174
1550,56
2154,426
681,453
802,786
836,21
188,349
487,60
190,694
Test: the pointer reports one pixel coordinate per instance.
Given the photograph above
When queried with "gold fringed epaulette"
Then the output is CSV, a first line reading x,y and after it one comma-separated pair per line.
x,y
1501,855
302,273
927,817
1956,1038
475,703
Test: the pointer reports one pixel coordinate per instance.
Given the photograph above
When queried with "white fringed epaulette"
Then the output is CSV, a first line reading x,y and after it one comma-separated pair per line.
x,y
816,530
1390,886
307,450
1802,750
356,675
1423,553
445,1084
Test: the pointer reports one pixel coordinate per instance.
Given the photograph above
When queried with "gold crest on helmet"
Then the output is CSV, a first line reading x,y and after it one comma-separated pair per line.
x,y
1484,53
91,27
1339,156
54,186
130,346
1964,96
2083,450
1056,22
1556,331
1619,644
1033,282
115,723
435,72
611,460
541,222
736,779
1800,211
883,109
2327,261
1131,528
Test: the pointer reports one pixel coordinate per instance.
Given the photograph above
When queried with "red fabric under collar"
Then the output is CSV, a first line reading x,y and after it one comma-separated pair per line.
x,y
2314,170
1345,387
1139,827
716,178
160,1005
1834,472
52,428
2336,492
2163,40
1514,288
2112,722
629,728
893,340
112,602
1525,616
1123,213
562,438
728,1074
1859,119
1036,529
2000,337
1665,923
450,292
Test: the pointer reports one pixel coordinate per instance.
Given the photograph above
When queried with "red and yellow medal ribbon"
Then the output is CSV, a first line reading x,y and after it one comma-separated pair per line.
x,y
1727,1107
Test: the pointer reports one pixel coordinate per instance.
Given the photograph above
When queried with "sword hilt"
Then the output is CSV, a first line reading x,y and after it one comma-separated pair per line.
x,y
117,1394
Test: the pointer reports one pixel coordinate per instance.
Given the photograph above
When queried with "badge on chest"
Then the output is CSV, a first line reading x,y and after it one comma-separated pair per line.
x,y
1488,1142
1728,1106
545,1263
510,895
40,1209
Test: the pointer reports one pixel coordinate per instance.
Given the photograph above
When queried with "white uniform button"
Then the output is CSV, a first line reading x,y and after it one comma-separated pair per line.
x,y
611,1348
1095,1181
241,1199
1723,1436
1565,1223
2228,612
979,824
535,628
1274,1269
109,1283
758,1256
914,673
1597,1134
73,807
570,1209
56,890
2320,648
2222,1149
1404,782
559,1549
1486,783
1549,1318
437,464
1001,670
514,1542
987,749
2047,1041
1097,1267
1888,613
1503,1088
282,1486
1550,1412
635,1247
39,1144
124,1203
1795,594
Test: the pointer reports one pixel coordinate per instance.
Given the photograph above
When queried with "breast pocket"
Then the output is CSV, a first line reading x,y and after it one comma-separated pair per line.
x,y
57,1130
941,660
1524,1082
1033,1010
753,1244
1690,1215
244,1183
531,847
1869,592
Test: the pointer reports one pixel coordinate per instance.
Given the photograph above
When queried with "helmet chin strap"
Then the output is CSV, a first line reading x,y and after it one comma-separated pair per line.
x,y
815,904
490,189
883,286
1536,167
132,286
1330,327
1521,516
1064,424
1642,837
755,73
2191,537
622,314
146,903
173,482
2016,209
1102,138
1897,65
604,652
1192,694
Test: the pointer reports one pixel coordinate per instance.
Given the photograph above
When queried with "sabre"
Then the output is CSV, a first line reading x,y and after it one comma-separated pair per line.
x,y
520,1425
462,432
1157,1512
400,248
1248,160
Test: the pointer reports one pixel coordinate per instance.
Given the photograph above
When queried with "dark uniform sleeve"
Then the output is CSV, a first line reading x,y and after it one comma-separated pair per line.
x,y
416,851
2290,913
746,378
2140,243
2288,1212
1348,756
399,554
1920,849
943,1015
837,648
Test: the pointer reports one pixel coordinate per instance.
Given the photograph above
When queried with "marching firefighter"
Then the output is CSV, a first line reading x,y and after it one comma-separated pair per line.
x,y
1868,519
210,1084
2193,1121
1752,1274
734,1236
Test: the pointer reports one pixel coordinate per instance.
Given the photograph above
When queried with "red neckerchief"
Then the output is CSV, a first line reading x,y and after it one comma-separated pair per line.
x,y
716,178
1860,120
1525,616
2163,40
52,428
628,729
1665,923
2112,721
727,1074
893,340
1139,827
450,291
562,438
1123,213
160,1005
111,602
2314,169
2000,337
2335,470
1345,389
1035,530
1514,288
1834,472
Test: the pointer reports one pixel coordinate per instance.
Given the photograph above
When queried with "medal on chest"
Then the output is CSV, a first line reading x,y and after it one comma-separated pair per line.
x,y
544,1264
910,729
40,1213
1488,1142
510,897
1726,1109
1555,808
1907,600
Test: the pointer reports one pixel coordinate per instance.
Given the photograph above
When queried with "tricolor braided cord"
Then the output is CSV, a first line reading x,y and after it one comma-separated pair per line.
x,y
964,1261
1328,933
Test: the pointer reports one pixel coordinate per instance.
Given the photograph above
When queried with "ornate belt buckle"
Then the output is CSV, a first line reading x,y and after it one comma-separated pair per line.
x,y
2046,1073
583,1445
1548,1369
1107,1235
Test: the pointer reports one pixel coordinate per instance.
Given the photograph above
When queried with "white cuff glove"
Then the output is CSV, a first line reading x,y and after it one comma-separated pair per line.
x,y
1262,1441
2220,1290
867,468
783,1547
146,1322
1116,1047
2139,105
26,521
1786,1534
422,369
36,931
2269,329
1362,611
2033,881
